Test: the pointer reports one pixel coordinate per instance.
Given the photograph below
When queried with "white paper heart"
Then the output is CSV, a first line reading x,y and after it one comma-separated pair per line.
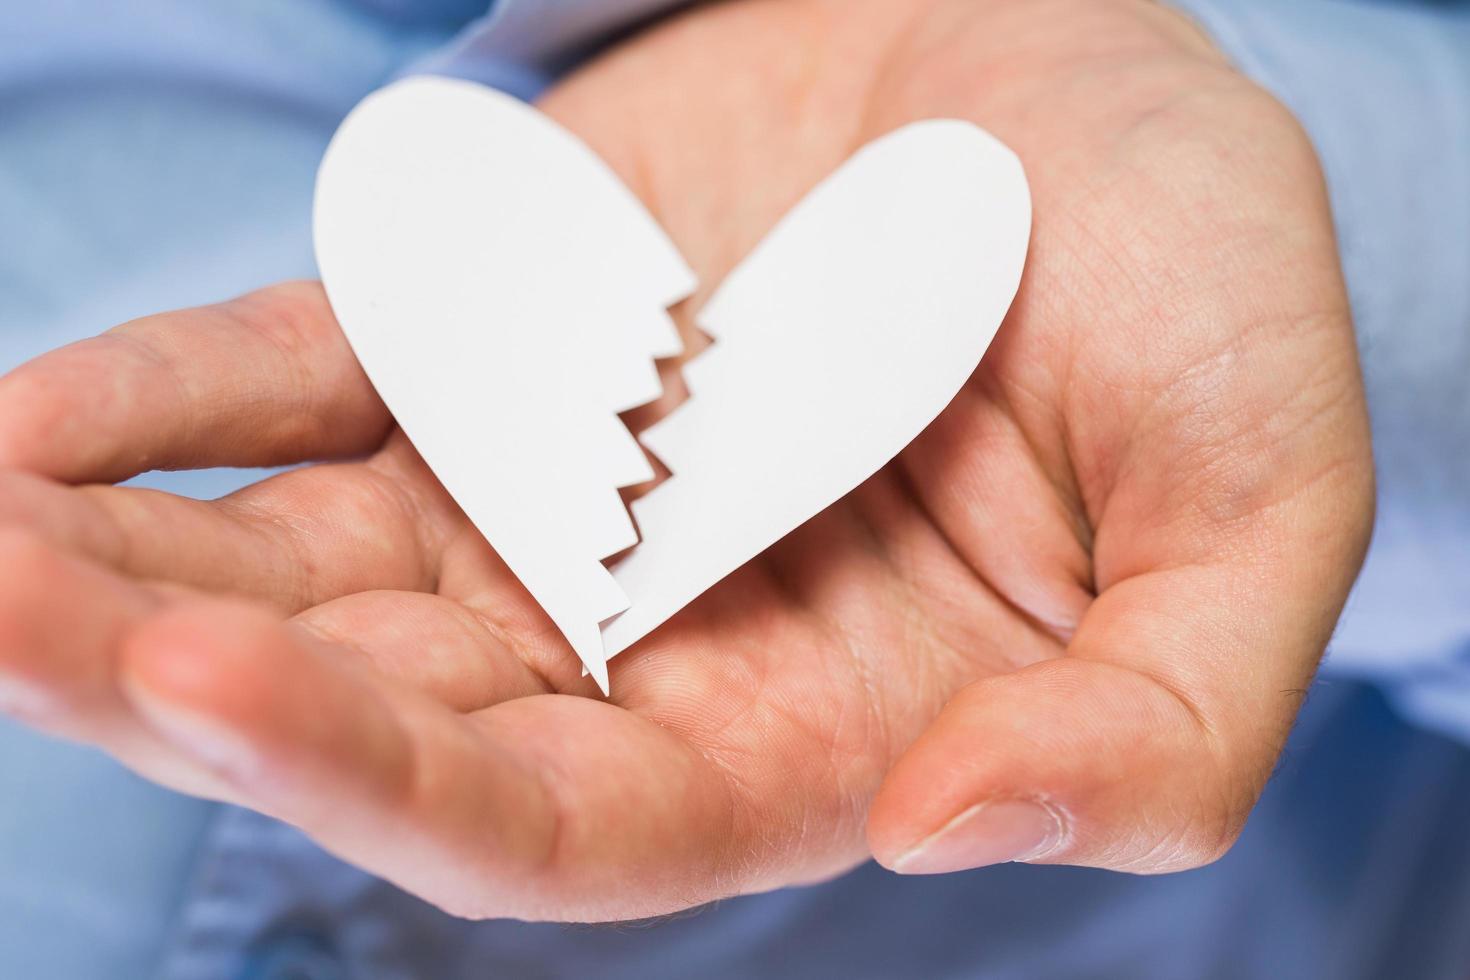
x,y
507,295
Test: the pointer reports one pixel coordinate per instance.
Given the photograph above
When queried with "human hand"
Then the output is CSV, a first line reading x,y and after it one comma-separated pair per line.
x,y
1097,585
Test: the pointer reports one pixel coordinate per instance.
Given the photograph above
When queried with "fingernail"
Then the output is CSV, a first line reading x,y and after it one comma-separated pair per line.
x,y
988,833
21,701
200,736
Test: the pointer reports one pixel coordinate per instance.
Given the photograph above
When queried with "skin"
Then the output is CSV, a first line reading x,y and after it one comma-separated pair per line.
x,y
1099,583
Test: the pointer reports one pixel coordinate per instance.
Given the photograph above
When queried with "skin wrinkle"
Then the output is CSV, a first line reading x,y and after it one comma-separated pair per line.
x,y
1242,479
290,332
708,742
291,531
506,638
946,659
1061,585
1211,827
1165,407
142,350
853,767
1038,627
284,333
873,726
728,860
335,623
296,538
146,347
832,626
1179,695
117,551
838,799
743,796
432,519
872,717
1062,478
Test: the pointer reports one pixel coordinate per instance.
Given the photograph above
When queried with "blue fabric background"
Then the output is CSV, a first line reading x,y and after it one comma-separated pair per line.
x,y
160,153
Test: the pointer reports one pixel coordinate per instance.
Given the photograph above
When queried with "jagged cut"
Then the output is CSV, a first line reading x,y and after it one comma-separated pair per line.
x,y
638,420
634,400
465,237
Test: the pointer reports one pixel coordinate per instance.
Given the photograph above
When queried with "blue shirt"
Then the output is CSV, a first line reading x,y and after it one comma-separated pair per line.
x,y
161,153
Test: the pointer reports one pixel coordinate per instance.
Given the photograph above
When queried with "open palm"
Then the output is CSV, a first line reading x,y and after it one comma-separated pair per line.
x,y
1087,599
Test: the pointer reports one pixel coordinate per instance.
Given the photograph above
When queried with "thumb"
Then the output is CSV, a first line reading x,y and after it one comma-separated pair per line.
x,y
1142,749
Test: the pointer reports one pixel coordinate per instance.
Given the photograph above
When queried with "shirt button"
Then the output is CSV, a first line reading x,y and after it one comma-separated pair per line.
x,y
294,956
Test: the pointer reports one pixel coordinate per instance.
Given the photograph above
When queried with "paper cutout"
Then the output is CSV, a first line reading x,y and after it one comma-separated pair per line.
x,y
507,296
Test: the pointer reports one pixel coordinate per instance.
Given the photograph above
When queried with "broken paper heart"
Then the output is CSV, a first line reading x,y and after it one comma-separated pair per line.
x,y
507,295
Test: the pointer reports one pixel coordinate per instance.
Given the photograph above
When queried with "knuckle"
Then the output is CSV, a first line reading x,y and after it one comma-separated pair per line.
x,y
293,317
373,501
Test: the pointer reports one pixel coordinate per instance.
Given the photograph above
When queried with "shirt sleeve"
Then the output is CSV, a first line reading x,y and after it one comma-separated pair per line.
x,y
1383,89
522,46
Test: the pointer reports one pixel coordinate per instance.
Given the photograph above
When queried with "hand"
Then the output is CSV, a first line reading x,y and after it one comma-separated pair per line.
x,y
1072,623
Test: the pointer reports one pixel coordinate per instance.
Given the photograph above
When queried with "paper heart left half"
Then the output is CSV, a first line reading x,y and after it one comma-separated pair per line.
x,y
507,295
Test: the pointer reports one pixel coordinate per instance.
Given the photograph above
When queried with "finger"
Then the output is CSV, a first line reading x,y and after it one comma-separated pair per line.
x,y
1143,750
296,540
263,380
446,650
540,807
61,620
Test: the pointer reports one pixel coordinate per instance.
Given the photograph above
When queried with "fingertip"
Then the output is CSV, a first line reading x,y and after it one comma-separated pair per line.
x,y
263,380
195,674
265,707
41,430
1066,761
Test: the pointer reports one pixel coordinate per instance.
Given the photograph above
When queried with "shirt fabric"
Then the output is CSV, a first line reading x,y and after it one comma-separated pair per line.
x,y
160,153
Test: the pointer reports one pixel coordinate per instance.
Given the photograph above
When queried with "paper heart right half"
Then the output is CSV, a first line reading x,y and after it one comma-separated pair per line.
x,y
507,296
